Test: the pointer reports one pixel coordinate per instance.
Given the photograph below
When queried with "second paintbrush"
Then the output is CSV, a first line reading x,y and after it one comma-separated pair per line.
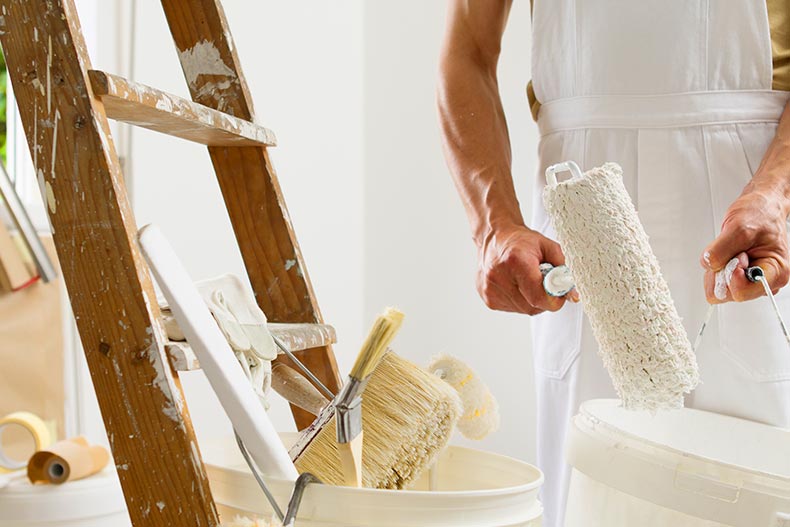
x,y
348,404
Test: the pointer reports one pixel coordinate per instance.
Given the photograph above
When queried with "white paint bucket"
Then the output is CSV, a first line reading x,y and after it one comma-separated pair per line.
x,y
96,501
684,468
474,489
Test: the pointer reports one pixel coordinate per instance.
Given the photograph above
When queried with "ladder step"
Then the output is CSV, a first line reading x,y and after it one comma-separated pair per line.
x,y
147,107
297,337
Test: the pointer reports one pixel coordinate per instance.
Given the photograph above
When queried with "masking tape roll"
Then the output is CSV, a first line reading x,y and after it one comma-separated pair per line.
x,y
32,424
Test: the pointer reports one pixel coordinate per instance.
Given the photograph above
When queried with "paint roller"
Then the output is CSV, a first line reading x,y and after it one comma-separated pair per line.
x,y
641,338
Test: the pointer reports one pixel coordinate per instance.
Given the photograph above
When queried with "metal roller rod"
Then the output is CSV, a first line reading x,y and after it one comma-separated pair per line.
x,y
305,369
756,274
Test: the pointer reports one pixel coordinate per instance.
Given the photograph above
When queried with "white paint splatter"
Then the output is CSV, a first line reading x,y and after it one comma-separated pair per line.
x,y
38,86
49,76
173,403
51,203
160,505
164,104
54,143
723,279
289,264
203,59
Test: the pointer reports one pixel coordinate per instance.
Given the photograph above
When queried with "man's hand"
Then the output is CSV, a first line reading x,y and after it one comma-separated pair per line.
x,y
754,232
509,278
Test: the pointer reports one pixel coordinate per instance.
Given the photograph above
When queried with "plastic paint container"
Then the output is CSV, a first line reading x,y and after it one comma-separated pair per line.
x,y
96,501
684,468
474,488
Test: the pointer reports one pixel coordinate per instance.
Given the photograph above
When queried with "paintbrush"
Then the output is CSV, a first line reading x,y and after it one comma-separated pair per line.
x,y
348,403
408,416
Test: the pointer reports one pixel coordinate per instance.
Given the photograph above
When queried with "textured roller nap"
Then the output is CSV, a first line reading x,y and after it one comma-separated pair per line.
x,y
640,335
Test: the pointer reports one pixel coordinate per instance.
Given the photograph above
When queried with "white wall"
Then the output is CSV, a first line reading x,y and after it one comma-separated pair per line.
x,y
349,88
418,249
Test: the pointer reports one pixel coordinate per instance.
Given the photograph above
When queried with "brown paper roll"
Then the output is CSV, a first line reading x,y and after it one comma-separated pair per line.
x,y
67,460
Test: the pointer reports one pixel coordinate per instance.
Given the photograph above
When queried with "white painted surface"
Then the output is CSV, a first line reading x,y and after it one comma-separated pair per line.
x,y
348,87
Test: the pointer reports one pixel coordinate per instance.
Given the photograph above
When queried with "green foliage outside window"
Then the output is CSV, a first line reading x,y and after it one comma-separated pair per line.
x,y
3,99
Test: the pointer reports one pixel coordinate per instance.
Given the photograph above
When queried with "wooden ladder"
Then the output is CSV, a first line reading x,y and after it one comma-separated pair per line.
x,y
64,106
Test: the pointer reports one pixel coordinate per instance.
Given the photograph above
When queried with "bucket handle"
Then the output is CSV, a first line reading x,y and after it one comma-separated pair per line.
x,y
301,483
708,487
565,166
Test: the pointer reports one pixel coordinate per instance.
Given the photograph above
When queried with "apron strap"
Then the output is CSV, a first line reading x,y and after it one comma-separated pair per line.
x,y
662,111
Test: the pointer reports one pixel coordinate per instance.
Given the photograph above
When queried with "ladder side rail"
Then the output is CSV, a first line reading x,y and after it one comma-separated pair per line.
x,y
148,426
248,181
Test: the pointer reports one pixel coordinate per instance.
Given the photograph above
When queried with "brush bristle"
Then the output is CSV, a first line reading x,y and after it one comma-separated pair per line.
x,y
381,334
408,416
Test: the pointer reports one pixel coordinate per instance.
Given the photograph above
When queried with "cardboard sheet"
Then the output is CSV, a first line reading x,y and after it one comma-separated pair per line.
x,y
31,354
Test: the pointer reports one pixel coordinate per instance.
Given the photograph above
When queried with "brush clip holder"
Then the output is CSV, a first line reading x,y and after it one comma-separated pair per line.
x,y
565,166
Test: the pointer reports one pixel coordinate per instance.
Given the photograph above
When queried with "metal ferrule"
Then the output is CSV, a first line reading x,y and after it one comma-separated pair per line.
x,y
348,410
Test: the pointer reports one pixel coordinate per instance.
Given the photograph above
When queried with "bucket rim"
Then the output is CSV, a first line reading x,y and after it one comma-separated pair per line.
x,y
410,493
586,413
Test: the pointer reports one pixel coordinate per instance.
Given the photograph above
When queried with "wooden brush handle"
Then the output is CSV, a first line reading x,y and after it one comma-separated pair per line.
x,y
296,389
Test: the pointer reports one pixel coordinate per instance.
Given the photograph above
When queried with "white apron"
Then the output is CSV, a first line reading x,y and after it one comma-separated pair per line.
x,y
678,93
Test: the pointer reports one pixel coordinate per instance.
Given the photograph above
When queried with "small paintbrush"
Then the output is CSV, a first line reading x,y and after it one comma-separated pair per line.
x,y
348,404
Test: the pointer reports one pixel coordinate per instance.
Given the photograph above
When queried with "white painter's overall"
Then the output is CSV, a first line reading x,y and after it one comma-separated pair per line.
x,y
678,93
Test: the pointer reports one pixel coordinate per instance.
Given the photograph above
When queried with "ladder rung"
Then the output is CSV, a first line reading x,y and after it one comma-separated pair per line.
x,y
297,337
147,107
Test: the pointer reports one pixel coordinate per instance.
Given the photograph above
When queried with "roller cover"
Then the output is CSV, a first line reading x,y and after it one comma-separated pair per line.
x,y
640,336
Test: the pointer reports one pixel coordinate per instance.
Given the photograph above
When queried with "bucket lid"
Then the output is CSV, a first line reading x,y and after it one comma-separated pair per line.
x,y
93,497
707,465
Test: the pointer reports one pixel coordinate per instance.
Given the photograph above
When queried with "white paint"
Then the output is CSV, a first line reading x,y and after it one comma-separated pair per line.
x,y
39,86
54,144
165,104
723,278
203,59
160,505
49,75
51,202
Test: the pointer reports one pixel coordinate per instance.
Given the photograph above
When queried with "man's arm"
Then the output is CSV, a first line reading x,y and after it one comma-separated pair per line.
x,y
477,149
754,229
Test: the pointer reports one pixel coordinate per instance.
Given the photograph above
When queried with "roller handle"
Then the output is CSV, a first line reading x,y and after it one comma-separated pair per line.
x,y
754,273
565,166
557,280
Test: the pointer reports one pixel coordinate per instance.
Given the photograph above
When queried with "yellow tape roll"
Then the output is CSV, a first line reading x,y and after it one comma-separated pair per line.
x,y
33,425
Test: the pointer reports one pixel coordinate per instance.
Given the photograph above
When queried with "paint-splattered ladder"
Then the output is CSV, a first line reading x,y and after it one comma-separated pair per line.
x,y
64,108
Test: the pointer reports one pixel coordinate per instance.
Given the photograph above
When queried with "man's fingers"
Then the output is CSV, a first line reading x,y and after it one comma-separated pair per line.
x,y
710,289
744,289
552,253
721,250
530,284
504,286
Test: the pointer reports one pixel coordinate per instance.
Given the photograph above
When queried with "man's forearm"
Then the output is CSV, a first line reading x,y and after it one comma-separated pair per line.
x,y
475,136
773,175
